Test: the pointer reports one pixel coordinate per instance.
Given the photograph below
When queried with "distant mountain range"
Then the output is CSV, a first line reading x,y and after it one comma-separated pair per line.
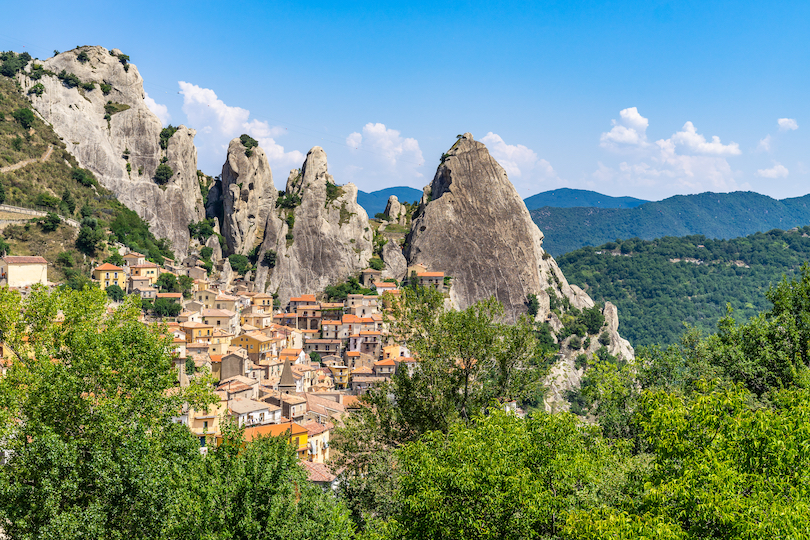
x,y
569,198
375,201
715,215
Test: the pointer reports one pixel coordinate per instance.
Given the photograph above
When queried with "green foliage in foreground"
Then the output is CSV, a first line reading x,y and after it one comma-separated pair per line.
x,y
87,418
656,297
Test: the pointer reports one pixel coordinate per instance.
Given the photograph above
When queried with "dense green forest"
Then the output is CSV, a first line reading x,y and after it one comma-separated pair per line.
x,y
658,285
715,215
568,198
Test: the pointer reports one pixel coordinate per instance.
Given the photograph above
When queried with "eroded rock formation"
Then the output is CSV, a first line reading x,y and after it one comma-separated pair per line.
x,y
396,212
111,131
248,197
318,233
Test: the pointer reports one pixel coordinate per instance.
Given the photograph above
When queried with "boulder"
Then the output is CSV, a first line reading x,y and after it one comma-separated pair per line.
x,y
98,128
395,264
395,211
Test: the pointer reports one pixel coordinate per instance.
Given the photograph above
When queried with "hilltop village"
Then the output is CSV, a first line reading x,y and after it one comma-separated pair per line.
x,y
291,371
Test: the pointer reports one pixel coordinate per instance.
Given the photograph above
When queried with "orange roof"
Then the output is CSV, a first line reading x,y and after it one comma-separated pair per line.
x,y
27,260
389,362
304,298
430,274
273,430
353,353
104,267
169,295
216,358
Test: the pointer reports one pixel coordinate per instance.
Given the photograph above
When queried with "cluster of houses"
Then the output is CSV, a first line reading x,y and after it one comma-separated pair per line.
x,y
292,372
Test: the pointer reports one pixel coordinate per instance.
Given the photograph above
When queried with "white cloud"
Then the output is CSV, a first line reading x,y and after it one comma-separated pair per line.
x,y
217,123
630,131
777,171
381,154
684,161
161,111
765,144
787,124
523,166
696,143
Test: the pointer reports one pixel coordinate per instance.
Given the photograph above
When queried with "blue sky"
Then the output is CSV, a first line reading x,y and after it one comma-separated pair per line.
x,y
647,99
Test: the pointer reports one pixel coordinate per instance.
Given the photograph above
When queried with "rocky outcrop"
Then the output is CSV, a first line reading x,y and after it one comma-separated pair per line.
x,y
111,131
319,234
473,225
396,212
213,243
395,264
248,197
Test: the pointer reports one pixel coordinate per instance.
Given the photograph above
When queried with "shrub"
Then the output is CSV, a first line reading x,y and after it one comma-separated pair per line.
x,y
84,177
69,79
206,253
12,63
37,89
248,141
90,237
16,143
382,216
533,305
290,221
65,259
164,307
88,86
166,134
202,230
604,338
115,293
50,222
46,200
163,174
239,263
287,201
270,258
25,117
106,88
332,192
69,201
581,361
376,263
2,194
82,57
575,343
114,108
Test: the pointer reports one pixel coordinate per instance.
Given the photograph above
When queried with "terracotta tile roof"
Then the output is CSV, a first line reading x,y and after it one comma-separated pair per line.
x,y
216,358
353,353
317,472
273,430
304,298
132,254
217,313
389,362
169,295
106,267
147,264
314,428
430,274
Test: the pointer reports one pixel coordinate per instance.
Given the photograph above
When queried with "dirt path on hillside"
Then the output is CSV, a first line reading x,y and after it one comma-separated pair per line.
x,y
22,164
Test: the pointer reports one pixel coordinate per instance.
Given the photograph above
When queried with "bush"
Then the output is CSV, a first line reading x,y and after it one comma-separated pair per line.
x,y
84,177
163,174
25,117
2,194
290,221
287,201
47,200
382,216
166,134
248,142
88,86
50,222
202,230
37,89
68,201
115,293
581,361
90,237
69,79
376,264
206,253
332,192
17,143
12,63
604,338
533,305
164,307
270,258
65,259
239,263
82,57
106,88
575,343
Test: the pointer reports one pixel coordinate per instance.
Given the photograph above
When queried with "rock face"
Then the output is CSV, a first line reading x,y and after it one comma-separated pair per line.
x,y
330,238
473,225
395,264
248,197
395,211
100,144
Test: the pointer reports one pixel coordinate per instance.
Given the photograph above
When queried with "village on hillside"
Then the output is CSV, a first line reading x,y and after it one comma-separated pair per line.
x,y
286,371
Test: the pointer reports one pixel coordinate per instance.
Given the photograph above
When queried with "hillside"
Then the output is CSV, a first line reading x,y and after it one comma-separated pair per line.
x,y
569,198
661,284
37,171
715,215
374,202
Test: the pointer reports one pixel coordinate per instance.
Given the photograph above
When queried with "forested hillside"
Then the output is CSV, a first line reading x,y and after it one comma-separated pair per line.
x,y
661,284
568,198
715,215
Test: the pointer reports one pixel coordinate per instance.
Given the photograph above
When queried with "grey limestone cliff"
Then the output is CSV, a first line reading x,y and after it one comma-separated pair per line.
x,y
248,197
396,212
101,124
319,234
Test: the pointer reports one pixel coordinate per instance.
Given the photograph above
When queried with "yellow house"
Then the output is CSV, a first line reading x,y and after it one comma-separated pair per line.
x,y
296,434
148,270
196,332
205,424
23,271
340,374
108,274
262,301
256,344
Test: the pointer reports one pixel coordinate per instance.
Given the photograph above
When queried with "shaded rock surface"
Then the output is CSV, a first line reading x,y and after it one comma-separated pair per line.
x,y
395,264
330,238
78,116
248,196
473,225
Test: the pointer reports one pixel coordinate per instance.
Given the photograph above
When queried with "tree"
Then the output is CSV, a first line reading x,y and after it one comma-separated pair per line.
x,y
533,305
185,284
376,263
270,258
167,282
50,222
97,455
163,174
25,117
69,201
115,293
239,263
164,307
90,237
2,194
115,259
